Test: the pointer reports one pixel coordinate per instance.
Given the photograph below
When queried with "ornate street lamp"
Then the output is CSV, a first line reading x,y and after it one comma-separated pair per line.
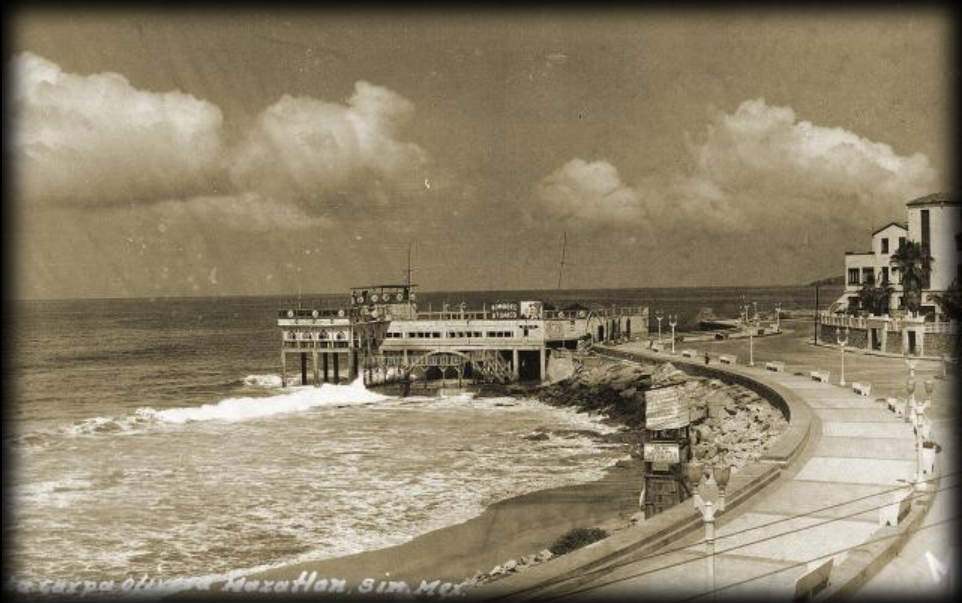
x,y
921,432
709,498
842,342
750,323
658,316
778,317
672,321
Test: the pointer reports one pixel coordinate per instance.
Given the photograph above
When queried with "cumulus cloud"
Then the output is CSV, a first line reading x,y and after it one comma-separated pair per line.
x,y
97,140
749,169
590,191
318,152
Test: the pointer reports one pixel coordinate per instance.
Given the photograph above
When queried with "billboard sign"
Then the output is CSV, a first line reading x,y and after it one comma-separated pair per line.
x,y
665,408
505,310
532,310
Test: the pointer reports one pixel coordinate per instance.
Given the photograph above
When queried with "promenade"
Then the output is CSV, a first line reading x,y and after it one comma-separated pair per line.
x,y
826,505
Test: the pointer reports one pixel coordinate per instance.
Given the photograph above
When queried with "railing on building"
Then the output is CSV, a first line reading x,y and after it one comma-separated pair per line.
x,y
892,323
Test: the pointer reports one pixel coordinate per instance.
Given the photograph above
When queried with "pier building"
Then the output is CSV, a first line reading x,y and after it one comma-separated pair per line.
x,y
381,334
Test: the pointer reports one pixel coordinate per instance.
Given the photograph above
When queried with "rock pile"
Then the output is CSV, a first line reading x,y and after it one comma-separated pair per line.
x,y
511,566
730,423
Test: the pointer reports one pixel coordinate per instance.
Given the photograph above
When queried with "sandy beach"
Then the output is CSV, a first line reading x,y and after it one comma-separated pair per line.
x,y
506,530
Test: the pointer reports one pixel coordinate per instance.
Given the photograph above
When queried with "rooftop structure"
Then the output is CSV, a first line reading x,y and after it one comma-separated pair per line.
x,y
383,335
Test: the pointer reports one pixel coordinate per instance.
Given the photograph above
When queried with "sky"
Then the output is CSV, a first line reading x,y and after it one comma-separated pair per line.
x,y
257,152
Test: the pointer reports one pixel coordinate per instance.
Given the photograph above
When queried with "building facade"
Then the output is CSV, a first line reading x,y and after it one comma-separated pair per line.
x,y
934,221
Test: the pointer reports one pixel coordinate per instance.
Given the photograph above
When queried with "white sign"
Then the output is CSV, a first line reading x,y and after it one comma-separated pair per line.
x,y
665,409
662,452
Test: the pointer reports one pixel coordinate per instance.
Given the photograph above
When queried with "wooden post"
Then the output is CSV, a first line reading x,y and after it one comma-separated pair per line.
x,y
303,368
283,368
515,374
327,377
316,377
337,369
544,363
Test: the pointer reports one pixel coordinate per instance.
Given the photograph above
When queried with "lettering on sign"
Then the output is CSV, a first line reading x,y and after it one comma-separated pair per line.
x,y
505,310
667,453
665,408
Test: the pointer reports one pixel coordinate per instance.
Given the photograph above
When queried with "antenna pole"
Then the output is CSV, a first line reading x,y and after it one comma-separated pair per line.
x,y
561,264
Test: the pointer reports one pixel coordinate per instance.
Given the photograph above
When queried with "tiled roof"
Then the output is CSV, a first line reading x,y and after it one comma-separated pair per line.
x,y
935,199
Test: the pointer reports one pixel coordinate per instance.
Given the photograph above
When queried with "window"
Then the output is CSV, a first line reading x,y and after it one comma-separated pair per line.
x,y
853,276
868,276
885,245
901,242
885,274
926,227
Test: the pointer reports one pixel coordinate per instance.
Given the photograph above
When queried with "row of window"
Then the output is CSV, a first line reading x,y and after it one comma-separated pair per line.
x,y
866,276
449,334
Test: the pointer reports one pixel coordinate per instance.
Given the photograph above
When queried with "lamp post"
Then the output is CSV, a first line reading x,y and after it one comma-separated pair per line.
x,y
750,323
778,317
658,316
709,498
921,429
672,322
842,342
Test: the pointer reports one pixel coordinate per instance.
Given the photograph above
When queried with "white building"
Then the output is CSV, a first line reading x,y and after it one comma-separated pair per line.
x,y
933,220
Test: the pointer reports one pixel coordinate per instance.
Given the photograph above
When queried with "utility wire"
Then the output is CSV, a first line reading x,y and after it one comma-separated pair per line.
x,y
609,568
740,546
822,556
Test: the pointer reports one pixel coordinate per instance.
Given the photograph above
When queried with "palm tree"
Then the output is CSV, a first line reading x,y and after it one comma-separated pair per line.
x,y
875,299
914,263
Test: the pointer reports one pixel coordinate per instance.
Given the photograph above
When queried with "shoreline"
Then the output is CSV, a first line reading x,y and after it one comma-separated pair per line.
x,y
507,529
522,525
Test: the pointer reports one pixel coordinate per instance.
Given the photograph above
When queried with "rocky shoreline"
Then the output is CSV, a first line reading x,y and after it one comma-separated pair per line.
x,y
730,424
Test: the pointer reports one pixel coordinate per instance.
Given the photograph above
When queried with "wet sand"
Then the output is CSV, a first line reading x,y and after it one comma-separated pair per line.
x,y
506,530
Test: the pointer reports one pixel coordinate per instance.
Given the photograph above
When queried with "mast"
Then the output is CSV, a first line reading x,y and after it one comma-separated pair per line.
x,y
561,264
409,270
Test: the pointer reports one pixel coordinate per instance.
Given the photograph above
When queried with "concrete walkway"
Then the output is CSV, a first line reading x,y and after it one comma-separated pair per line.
x,y
853,463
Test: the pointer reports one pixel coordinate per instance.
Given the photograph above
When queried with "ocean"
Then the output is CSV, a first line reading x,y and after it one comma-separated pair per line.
x,y
151,437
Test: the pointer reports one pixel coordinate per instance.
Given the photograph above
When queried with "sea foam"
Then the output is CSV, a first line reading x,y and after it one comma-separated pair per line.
x,y
248,408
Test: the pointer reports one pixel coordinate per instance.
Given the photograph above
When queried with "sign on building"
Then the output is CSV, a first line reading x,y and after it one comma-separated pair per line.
x,y
505,310
665,408
532,310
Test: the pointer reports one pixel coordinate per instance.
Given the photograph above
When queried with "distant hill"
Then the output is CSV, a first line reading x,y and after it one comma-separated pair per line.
x,y
832,280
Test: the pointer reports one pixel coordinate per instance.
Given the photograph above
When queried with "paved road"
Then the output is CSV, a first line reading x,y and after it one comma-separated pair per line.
x,y
863,453
916,569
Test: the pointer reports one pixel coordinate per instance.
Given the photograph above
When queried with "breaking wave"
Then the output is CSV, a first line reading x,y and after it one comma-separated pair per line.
x,y
270,380
245,409
228,410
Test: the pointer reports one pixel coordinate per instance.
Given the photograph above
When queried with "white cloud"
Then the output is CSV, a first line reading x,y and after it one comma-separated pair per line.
x,y
590,191
761,156
247,211
758,167
97,140
318,152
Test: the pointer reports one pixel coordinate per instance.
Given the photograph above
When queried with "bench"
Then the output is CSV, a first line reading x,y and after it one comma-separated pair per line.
x,y
775,366
862,389
897,406
689,353
727,359
821,376
896,510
